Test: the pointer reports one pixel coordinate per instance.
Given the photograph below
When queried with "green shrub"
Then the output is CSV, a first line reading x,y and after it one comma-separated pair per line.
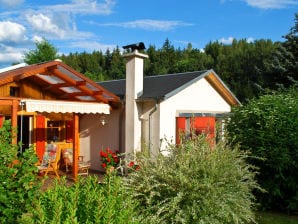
x,y
18,178
268,127
194,184
86,201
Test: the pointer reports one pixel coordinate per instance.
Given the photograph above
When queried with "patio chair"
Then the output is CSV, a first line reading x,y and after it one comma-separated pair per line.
x,y
68,162
50,162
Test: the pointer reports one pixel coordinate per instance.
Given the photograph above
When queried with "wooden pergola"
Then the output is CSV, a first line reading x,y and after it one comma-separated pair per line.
x,y
54,82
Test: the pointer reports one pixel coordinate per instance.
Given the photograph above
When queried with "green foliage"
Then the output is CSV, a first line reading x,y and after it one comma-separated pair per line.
x,y
268,127
86,201
281,69
18,178
239,65
44,52
194,184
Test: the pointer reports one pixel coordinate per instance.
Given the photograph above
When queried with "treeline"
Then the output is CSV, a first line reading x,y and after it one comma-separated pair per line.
x,y
248,68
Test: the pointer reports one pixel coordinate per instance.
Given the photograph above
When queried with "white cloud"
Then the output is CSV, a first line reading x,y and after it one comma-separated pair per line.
x,y
148,24
227,41
12,32
271,4
11,3
44,24
85,7
55,26
37,38
10,54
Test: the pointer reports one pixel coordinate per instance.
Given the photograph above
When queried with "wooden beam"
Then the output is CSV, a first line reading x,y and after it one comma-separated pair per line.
x,y
98,96
221,89
83,88
5,102
81,83
72,95
75,169
56,86
30,73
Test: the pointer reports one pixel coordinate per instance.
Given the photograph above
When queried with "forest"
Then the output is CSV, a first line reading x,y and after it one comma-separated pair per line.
x,y
249,69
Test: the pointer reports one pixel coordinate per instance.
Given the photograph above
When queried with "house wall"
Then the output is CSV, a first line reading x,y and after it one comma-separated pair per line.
x,y
94,136
200,97
150,126
27,89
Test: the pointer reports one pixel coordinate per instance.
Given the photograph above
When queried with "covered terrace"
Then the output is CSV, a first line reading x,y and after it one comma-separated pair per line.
x,y
46,98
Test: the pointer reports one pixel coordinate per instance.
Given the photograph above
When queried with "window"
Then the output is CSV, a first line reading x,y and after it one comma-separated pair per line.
x,y
59,131
55,131
14,91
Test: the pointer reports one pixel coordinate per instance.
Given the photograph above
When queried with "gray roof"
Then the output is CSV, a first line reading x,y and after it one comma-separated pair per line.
x,y
157,87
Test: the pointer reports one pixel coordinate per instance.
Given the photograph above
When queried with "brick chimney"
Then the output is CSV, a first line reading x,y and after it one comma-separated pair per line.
x,y
134,89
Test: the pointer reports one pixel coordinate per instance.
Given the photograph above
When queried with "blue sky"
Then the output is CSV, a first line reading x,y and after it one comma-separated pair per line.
x,y
87,25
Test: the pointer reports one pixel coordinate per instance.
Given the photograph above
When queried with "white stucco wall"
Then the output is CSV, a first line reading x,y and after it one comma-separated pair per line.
x,y
200,97
134,88
94,136
158,121
150,126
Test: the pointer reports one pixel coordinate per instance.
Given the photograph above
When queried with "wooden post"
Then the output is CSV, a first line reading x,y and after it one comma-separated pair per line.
x,y
14,120
75,163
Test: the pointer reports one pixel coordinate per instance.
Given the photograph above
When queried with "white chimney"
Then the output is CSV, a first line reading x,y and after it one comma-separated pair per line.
x,y
134,89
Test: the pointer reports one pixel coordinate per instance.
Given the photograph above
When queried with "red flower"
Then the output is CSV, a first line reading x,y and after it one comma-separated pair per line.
x,y
137,167
134,166
108,158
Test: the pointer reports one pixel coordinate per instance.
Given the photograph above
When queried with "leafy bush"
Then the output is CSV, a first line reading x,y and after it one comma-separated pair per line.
x,y
194,184
18,177
86,201
268,127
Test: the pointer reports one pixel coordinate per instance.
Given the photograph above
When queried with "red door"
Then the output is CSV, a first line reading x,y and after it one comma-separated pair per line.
x,y
40,136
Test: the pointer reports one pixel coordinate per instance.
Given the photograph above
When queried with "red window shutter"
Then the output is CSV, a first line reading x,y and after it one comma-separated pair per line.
x,y
205,125
1,120
180,128
40,136
69,131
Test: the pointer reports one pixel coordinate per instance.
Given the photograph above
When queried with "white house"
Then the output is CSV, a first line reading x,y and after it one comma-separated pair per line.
x,y
154,109
51,99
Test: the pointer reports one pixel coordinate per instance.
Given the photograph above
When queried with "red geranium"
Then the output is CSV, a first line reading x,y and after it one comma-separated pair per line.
x,y
134,166
108,158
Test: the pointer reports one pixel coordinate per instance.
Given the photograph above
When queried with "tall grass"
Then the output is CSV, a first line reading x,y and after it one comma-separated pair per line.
x,y
86,201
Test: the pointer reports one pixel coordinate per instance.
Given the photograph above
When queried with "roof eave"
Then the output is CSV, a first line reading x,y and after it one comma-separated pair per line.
x,y
214,80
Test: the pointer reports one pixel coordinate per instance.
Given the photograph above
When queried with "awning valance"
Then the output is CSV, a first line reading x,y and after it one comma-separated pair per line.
x,y
53,106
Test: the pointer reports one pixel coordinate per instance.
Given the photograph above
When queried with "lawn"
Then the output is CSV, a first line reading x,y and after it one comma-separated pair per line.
x,y
275,218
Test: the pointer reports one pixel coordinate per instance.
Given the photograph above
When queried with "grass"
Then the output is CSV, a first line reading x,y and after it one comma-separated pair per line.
x,y
275,218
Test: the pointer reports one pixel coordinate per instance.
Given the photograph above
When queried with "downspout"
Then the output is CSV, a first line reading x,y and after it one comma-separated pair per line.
x,y
150,119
